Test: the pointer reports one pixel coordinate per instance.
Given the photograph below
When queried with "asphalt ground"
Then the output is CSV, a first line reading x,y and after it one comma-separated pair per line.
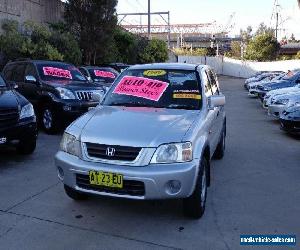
x,y
255,190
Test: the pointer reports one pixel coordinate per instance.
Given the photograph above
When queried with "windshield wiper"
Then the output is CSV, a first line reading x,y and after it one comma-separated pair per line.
x,y
180,106
131,104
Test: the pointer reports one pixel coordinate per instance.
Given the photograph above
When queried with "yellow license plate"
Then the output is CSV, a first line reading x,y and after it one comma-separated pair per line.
x,y
100,178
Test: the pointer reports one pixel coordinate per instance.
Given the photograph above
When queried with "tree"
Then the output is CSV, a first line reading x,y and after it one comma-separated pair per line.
x,y
93,22
246,35
264,29
155,51
235,49
298,55
263,47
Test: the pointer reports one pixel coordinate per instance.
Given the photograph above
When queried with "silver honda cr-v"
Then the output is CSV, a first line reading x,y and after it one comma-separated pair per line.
x,y
151,137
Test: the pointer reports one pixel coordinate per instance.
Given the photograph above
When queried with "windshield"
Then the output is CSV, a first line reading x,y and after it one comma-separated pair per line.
x,y
103,75
178,89
2,82
59,72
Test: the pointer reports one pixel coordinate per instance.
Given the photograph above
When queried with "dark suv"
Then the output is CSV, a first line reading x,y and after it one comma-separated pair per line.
x,y
57,90
17,120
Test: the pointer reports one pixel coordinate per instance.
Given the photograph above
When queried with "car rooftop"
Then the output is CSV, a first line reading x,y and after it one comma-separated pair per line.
x,y
174,66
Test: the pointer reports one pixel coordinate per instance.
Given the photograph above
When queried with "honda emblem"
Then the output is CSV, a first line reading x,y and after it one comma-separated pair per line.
x,y
110,152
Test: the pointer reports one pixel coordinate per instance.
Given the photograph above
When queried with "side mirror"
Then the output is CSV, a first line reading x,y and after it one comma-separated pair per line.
x,y
216,101
97,97
30,79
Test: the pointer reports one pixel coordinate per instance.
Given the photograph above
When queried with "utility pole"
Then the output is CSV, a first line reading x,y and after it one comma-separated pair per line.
x,y
276,28
149,20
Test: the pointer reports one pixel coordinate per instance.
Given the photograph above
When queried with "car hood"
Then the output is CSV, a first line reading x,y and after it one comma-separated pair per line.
x,y
285,90
73,85
279,83
291,113
8,99
131,126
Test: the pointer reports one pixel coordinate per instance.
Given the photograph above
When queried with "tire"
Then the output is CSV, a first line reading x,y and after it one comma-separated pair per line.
x,y
194,206
220,150
26,147
49,121
75,195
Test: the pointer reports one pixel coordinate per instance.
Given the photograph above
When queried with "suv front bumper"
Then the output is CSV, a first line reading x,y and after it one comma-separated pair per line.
x,y
155,177
70,110
21,131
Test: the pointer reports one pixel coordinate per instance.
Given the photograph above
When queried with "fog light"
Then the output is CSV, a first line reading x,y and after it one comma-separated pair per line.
x,y
173,187
60,173
67,108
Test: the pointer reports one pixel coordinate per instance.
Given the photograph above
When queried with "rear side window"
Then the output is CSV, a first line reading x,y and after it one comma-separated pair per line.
x,y
30,70
18,73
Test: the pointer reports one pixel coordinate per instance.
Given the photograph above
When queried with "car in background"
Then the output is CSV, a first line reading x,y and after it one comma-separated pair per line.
x,y
152,137
253,85
290,119
273,93
120,67
280,102
102,76
290,80
264,76
18,125
57,90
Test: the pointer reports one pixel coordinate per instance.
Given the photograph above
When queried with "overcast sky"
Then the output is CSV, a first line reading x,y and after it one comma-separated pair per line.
x,y
202,11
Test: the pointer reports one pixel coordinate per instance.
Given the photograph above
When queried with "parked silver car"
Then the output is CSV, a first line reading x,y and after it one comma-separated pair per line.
x,y
152,137
280,102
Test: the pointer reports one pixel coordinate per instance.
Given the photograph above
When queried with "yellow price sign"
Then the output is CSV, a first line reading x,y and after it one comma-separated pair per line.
x,y
152,72
187,96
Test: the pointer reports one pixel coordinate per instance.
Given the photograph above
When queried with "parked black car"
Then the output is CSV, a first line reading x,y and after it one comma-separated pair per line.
x,y
103,76
57,90
17,120
120,67
290,119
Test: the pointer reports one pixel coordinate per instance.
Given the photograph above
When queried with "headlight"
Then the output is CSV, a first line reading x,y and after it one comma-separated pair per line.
x,y
281,102
70,144
27,111
65,93
175,152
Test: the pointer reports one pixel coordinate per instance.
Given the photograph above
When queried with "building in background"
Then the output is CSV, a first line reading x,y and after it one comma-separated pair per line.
x,y
41,11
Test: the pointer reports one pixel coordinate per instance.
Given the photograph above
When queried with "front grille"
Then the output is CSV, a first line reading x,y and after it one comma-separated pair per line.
x,y
84,95
121,153
8,117
130,187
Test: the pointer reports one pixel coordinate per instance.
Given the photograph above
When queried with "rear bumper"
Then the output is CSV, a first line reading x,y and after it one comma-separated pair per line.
x,y
154,178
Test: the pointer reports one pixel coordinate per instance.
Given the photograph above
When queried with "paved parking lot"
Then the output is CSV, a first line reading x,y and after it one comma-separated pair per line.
x,y
255,189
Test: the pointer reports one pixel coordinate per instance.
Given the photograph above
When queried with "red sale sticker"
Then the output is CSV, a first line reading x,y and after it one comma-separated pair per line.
x,y
105,74
141,87
51,71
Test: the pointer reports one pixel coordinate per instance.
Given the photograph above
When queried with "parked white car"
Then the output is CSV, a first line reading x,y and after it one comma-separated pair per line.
x,y
279,103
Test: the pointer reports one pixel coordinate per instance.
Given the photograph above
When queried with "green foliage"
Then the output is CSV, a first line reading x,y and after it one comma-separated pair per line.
x,y
155,51
298,55
263,47
236,49
201,52
93,23
37,41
